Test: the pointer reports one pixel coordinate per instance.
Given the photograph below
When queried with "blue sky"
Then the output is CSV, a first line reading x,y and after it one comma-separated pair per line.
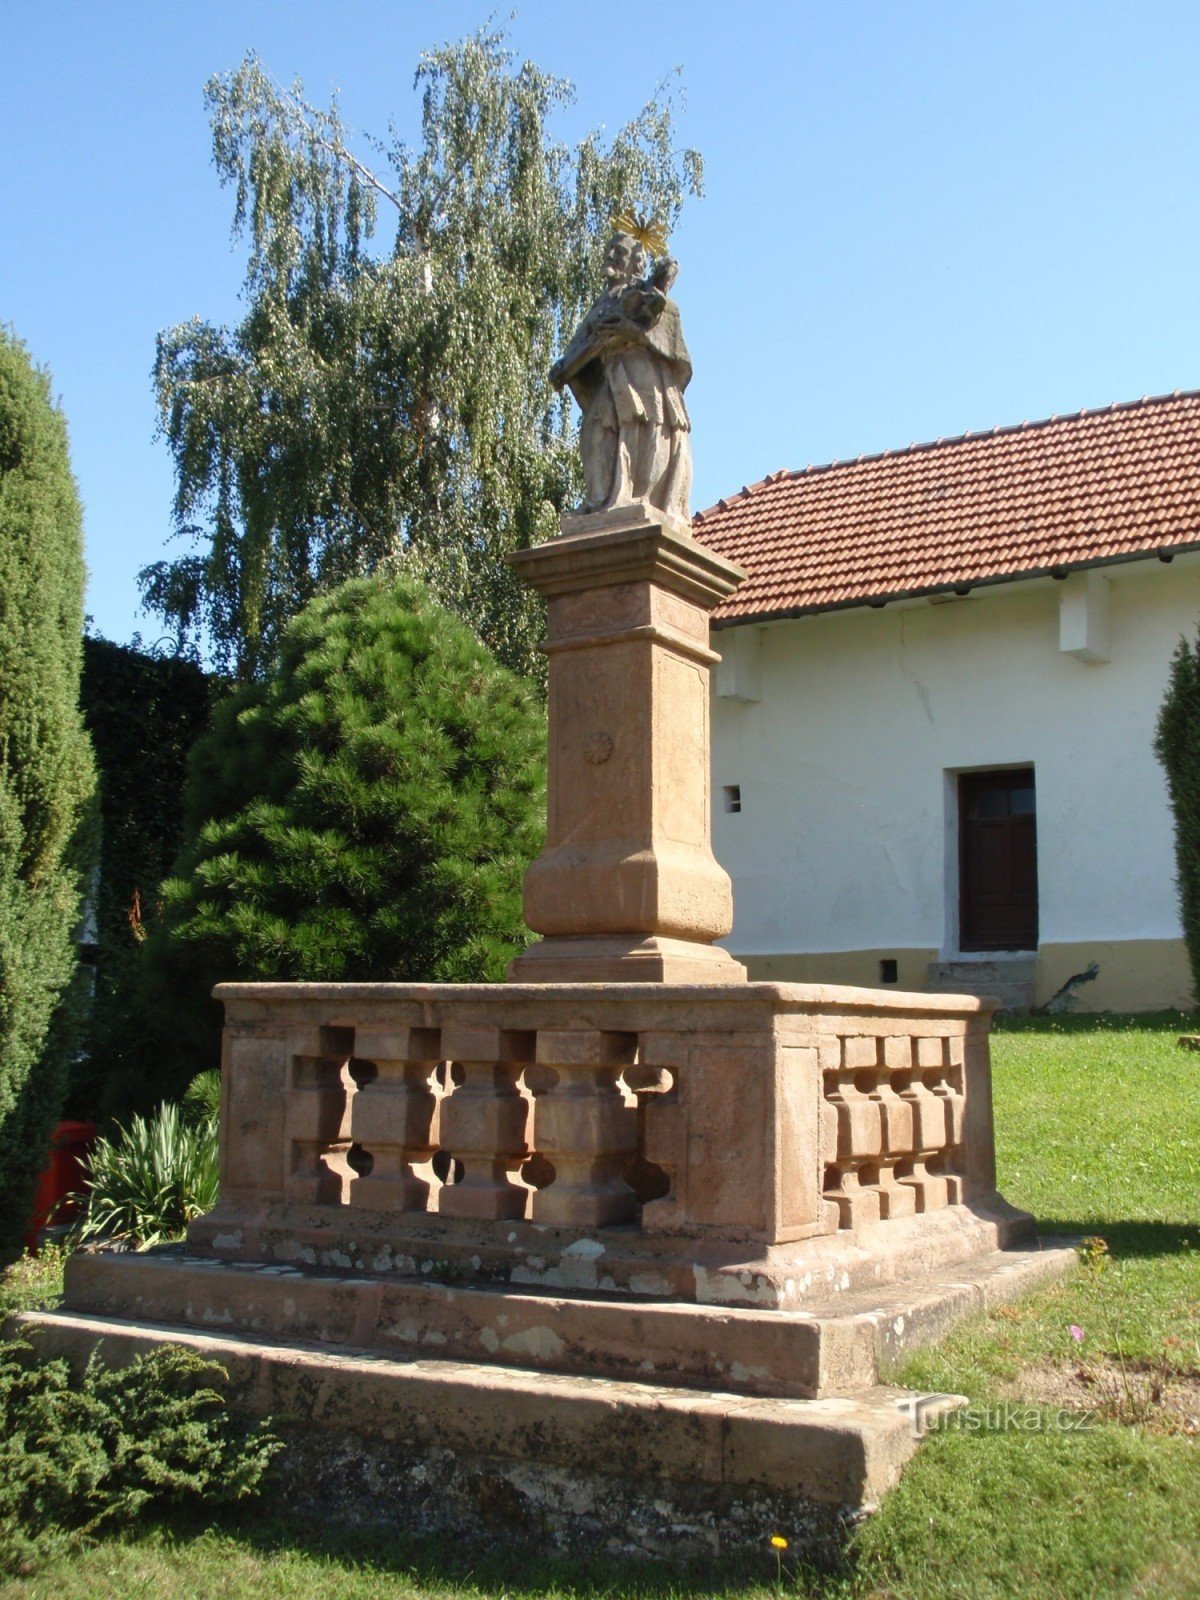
x,y
920,217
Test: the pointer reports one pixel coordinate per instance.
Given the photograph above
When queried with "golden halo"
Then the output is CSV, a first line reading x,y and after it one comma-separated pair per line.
x,y
648,231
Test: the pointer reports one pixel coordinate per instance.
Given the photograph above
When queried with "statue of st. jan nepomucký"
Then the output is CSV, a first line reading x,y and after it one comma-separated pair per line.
x,y
628,366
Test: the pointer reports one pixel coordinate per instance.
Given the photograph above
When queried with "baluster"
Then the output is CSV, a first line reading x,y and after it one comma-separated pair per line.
x,y
317,1116
662,1132
831,1185
929,1128
859,1139
946,1082
485,1120
650,1084
896,1199
394,1119
585,1125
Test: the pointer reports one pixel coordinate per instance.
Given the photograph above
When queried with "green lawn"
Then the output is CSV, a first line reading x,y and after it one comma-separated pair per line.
x,y
1098,1133
1098,1123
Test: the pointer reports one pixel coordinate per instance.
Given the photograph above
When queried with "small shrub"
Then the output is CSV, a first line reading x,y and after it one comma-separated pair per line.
x,y
76,1456
149,1180
202,1098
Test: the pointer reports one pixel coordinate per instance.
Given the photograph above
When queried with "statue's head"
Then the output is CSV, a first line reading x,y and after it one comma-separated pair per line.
x,y
624,261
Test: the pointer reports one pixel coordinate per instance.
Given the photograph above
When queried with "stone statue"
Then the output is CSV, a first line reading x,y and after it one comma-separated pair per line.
x,y
628,366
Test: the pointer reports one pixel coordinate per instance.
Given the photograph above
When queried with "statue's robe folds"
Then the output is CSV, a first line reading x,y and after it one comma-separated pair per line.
x,y
628,367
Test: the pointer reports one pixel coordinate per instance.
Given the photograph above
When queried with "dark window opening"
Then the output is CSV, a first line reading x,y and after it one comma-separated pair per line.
x,y
733,796
887,970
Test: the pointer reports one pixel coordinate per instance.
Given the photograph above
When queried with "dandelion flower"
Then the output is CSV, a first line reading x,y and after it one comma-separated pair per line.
x,y
778,1542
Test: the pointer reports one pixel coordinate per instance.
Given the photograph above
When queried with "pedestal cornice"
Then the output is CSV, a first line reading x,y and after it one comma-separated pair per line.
x,y
625,548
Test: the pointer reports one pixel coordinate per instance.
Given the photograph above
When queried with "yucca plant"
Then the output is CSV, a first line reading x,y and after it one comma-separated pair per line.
x,y
149,1180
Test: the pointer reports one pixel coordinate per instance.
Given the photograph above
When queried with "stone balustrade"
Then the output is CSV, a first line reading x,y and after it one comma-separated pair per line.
x,y
756,1111
894,1122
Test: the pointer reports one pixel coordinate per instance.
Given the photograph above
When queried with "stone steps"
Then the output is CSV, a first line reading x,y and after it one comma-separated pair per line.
x,y
836,1345
1010,980
586,1420
683,1447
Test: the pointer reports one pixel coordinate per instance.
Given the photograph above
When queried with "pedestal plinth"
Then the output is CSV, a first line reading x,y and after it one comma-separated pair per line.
x,y
627,888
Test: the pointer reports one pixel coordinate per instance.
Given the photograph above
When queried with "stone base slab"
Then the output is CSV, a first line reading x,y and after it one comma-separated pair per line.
x,y
559,1448
601,959
621,519
611,1261
839,1346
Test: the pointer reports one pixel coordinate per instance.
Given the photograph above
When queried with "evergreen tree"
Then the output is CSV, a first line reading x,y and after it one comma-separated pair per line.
x,y
371,408
143,713
46,773
1177,746
366,813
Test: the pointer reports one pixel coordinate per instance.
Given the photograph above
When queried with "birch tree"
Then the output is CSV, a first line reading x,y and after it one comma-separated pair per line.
x,y
384,399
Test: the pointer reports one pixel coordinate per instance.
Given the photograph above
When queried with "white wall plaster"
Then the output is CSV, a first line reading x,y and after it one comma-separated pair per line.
x,y
845,839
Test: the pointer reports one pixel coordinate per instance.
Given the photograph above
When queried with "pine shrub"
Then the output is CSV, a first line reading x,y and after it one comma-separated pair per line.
x,y
46,776
78,1456
1177,746
366,813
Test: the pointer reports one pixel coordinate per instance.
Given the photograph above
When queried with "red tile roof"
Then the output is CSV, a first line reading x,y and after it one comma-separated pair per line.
x,y
1075,491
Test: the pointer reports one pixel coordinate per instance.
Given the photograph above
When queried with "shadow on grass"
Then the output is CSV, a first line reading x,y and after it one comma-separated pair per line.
x,y
1126,1240
488,1564
1100,1022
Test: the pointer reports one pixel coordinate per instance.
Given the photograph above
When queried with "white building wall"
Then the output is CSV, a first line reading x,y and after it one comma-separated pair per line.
x,y
845,840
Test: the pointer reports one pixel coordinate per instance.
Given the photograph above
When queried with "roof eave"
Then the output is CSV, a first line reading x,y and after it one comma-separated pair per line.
x,y
878,601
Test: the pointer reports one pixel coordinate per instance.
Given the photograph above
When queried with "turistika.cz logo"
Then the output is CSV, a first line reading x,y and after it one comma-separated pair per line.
x,y
930,1413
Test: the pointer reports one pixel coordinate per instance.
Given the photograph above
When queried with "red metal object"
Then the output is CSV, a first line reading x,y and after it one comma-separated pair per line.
x,y
61,1177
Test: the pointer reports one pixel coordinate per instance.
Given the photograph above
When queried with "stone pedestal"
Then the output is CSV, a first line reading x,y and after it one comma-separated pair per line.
x,y
627,888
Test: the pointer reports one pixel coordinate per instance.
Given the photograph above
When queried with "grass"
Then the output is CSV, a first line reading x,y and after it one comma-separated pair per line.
x,y
1098,1129
32,1281
1098,1133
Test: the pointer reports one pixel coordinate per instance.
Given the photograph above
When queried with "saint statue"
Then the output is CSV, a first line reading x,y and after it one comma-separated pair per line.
x,y
628,366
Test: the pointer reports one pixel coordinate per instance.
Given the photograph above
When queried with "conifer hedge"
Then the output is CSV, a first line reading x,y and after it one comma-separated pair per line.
x,y
366,813
144,713
46,773
1177,746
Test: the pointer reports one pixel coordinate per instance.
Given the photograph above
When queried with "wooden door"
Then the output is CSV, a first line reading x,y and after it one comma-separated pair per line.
x,y
997,834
